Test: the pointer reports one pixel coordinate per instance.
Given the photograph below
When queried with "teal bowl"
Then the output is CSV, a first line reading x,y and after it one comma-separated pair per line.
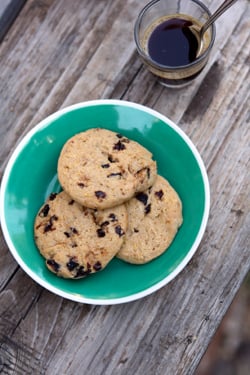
x,y
31,175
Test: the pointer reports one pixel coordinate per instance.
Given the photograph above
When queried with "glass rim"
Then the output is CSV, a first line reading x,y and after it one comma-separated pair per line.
x,y
168,67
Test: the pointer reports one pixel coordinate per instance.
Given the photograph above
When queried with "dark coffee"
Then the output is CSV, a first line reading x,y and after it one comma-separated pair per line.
x,y
169,44
172,43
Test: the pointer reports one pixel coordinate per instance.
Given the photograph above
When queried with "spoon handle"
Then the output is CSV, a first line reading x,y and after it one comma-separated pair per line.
x,y
224,6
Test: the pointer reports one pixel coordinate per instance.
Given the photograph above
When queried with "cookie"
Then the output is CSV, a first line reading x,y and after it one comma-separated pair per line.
x,y
100,169
77,241
154,217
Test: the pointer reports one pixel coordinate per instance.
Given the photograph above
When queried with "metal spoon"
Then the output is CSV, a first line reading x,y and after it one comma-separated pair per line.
x,y
224,6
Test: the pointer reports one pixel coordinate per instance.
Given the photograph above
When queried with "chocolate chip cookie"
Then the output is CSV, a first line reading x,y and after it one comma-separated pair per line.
x,y
154,217
77,241
99,168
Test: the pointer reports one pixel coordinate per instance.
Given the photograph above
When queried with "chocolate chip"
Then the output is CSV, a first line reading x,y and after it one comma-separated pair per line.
x,y
122,138
114,174
106,165
148,173
147,208
72,264
44,211
71,202
80,272
81,184
49,226
105,223
100,232
142,197
100,194
88,266
119,146
111,159
52,196
159,194
74,230
119,231
136,230
112,217
53,264
97,266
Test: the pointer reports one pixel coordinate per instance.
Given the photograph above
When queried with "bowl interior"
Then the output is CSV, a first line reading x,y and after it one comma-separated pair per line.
x,y
31,176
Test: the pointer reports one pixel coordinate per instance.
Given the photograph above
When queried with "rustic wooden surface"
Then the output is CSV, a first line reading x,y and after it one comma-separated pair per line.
x,y
9,9
60,52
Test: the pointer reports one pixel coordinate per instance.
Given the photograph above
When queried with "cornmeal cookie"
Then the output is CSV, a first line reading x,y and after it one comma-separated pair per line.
x,y
100,168
154,217
77,241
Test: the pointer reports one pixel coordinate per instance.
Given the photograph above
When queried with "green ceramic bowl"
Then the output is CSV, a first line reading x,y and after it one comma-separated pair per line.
x,y
31,175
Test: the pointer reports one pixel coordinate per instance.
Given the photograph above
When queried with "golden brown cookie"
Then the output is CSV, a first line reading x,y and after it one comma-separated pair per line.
x,y
154,217
77,241
100,168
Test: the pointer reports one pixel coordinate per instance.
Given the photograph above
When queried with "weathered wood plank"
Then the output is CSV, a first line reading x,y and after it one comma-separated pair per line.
x,y
50,45
7,264
9,10
16,359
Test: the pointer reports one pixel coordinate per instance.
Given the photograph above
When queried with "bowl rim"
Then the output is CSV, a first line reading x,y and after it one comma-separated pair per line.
x,y
76,297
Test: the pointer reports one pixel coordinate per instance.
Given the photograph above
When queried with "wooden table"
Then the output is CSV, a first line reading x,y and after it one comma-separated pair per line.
x,y
60,52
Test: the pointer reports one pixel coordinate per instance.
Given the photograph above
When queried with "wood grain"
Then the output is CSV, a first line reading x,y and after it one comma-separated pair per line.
x,y
58,53
9,10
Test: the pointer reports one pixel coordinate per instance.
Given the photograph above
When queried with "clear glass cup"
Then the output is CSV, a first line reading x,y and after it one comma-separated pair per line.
x,y
155,13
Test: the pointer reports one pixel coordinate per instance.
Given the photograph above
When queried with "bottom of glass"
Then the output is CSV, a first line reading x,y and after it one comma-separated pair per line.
x,y
175,86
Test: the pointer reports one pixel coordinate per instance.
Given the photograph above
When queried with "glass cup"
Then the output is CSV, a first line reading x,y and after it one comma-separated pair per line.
x,y
161,12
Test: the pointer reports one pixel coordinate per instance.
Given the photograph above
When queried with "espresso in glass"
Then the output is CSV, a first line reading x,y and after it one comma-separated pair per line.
x,y
173,43
168,41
